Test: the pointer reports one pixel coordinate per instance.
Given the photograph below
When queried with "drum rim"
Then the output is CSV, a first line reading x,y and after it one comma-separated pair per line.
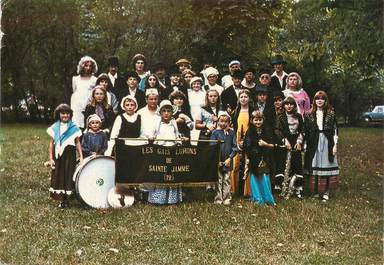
x,y
78,196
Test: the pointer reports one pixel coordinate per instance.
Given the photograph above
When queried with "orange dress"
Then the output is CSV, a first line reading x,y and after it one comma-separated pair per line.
x,y
242,122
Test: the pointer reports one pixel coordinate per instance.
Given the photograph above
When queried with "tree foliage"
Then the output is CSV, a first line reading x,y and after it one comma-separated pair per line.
x,y
336,45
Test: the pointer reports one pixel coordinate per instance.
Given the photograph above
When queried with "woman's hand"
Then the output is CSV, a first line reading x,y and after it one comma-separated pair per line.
x,y
334,149
288,146
262,143
52,163
298,147
227,162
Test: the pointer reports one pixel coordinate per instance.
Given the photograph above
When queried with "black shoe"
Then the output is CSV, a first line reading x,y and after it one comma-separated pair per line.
x,y
62,205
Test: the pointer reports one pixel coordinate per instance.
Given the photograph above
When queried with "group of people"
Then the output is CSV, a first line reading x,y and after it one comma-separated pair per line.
x,y
264,122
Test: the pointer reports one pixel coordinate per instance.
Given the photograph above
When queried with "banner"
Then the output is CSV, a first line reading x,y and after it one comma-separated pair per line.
x,y
157,165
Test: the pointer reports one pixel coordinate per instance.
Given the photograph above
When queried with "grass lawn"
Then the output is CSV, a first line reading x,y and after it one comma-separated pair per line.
x,y
346,230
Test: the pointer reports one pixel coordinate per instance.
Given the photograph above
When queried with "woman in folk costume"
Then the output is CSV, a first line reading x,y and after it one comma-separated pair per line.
x,y
206,121
196,96
103,79
165,128
82,86
64,142
126,125
258,140
289,131
321,135
183,115
240,122
99,105
139,63
294,88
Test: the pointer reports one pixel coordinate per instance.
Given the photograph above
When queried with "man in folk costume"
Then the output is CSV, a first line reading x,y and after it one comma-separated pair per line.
x,y
114,76
132,80
148,113
183,64
279,77
161,72
249,79
230,95
226,81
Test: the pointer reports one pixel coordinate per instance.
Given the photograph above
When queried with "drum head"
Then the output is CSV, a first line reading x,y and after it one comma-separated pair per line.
x,y
119,200
94,179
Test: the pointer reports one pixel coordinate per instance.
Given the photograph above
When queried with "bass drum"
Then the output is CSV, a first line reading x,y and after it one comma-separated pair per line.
x,y
94,178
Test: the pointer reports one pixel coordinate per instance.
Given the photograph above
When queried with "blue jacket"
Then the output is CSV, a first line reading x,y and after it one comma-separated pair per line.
x,y
228,147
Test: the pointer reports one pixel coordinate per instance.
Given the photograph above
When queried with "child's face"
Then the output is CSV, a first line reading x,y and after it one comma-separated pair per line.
x,y
244,99
288,107
132,82
152,81
196,86
166,114
223,122
178,102
129,107
320,102
257,122
278,103
175,79
262,97
104,83
65,116
94,126
99,95
187,78
212,97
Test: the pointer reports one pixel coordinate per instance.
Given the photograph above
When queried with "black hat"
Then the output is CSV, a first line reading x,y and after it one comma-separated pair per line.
x,y
278,59
278,94
174,70
132,74
238,74
261,89
113,61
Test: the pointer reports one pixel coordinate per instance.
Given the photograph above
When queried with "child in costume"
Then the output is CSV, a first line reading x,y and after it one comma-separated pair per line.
x,y
228,150
165,128
256,143
94,141
65,140
321,136
289,132
126,125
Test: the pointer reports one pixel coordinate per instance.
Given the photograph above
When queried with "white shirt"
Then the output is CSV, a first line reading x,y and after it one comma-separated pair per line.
x,y
319,121
82,90
280,77
148,120
112,78
196,101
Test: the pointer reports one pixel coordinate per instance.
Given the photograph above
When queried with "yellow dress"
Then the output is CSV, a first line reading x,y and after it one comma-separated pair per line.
x,y
242,122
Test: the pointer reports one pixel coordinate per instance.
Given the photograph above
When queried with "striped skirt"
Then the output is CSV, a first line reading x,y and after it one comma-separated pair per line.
x,y
324,174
